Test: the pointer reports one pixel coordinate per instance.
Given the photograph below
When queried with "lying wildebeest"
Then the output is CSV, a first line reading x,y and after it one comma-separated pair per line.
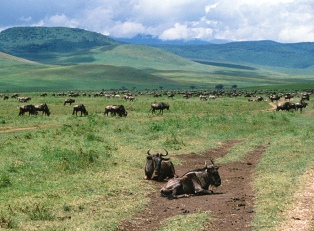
x,y
159,106
70,101
80,108
195,182
157,167
286,106
44,108
28,108
116,109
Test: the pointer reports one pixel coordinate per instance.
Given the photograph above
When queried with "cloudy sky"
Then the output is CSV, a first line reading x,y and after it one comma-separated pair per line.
x,y
237,20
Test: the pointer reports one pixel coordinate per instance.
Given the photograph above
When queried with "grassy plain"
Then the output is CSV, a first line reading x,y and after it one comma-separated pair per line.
x,y
65,172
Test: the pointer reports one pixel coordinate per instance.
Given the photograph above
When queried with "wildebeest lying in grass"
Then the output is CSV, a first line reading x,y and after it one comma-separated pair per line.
x,y
43,108
157,167
195,182
28,108
80,108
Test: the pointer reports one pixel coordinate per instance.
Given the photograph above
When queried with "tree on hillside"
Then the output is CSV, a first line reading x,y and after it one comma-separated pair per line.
x,y
219,86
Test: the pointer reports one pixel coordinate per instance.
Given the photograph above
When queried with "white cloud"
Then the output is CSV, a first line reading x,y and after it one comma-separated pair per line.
x,y
60,20
127,30
279,20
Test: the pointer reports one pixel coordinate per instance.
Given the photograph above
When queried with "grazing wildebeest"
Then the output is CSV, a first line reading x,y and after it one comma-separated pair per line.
x,y
288,96
305,96
24,99
44,108
116,109
300,105
80,108
157,167
286,106
28,108
159,106
195,182
274,98
203,97
5,97
70,101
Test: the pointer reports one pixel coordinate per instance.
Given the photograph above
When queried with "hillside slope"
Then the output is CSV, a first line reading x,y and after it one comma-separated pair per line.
x,y
262,53
40,43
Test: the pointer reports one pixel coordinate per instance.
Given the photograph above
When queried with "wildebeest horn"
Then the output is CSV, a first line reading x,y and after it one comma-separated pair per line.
x,y
148,151
211,160
165,154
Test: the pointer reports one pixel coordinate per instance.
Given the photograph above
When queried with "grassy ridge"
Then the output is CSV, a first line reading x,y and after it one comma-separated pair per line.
x,y
129,67
91,168
104,63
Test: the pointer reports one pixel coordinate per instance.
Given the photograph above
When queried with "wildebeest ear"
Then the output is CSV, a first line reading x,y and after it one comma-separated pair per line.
x,y
149,157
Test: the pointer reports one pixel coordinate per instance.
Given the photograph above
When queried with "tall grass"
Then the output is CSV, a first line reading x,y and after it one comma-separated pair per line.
x,y
65,172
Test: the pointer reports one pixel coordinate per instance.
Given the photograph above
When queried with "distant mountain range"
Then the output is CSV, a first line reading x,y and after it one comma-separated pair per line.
x,y
152,40
46,43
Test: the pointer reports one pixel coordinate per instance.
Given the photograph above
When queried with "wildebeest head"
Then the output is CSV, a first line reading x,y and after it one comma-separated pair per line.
x,y
153,164
213,174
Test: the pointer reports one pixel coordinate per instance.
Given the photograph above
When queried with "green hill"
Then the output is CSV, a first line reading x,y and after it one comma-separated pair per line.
x,y
47,43
60,59
258,53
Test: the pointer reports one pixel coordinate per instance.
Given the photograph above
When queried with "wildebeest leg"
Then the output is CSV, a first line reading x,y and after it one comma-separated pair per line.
x,y
200,191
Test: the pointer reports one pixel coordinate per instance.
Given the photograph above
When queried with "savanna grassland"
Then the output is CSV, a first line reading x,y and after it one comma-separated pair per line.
x,y
66,172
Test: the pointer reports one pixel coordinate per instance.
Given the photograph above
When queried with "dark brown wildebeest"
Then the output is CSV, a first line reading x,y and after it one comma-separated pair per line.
x,y
108,109
300,105
43,108
116,109
15,95
286,106
288,96
305,96
5,97
157,167
81,108
274,98
159,106
70,101
28,108
195,182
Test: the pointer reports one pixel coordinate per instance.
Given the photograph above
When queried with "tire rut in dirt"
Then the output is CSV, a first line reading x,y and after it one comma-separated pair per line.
x,y
231,205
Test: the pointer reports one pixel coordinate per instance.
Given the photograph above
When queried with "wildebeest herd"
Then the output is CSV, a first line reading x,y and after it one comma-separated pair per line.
x,y
113,110
193,182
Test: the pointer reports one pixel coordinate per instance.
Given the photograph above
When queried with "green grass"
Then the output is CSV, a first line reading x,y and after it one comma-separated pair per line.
x,y
130,67
91,168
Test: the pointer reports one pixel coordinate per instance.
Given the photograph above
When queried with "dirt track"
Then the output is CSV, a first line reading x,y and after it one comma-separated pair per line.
x,y
231,205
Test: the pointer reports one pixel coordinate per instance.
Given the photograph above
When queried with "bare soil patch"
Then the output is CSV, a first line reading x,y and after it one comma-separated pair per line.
x,y
232,204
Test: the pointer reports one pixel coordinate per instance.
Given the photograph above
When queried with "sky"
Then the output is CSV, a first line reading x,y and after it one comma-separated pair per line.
x,y
285,21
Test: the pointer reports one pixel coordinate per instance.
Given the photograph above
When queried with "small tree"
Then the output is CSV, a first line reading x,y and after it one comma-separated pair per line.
x,y
234,86
219,86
